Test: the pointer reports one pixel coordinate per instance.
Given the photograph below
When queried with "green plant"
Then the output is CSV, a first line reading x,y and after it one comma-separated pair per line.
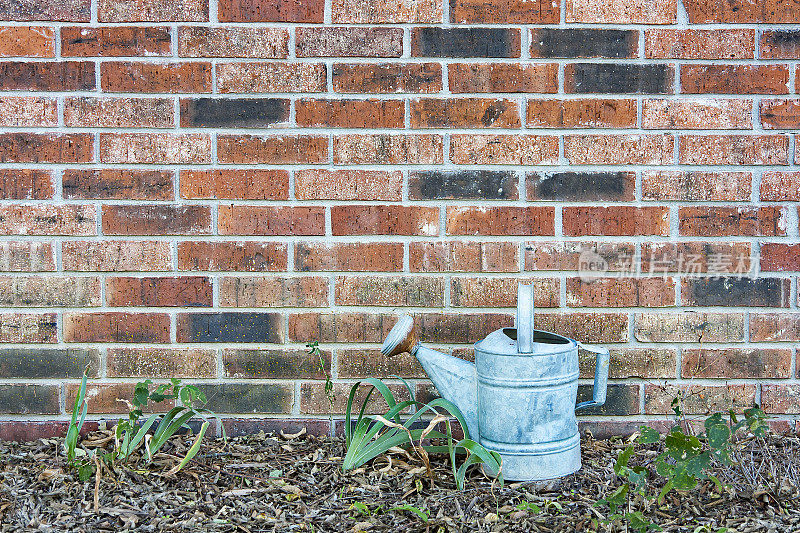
x,y
313,350
421,513
79,410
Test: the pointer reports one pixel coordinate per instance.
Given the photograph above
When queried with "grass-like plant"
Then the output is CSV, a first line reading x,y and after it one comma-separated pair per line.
x,y
79,410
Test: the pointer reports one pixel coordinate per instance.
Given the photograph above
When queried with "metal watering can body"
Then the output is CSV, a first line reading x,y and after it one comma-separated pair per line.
x,y
518,399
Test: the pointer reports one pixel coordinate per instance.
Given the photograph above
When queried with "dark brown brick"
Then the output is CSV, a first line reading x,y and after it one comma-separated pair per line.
x,y
187,291
735,292
780,44
125,41
371,363
232,256
581,186
465,42
29,399
230,327
390,291
620,400
551,42
248,397
780,114
463,184
106,184
271,10
339,327
25,147
274,364
156,220
161,363
609,78
233,112
43,363
117,327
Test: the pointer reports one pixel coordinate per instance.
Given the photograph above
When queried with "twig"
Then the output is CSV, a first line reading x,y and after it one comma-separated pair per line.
x,y
97,476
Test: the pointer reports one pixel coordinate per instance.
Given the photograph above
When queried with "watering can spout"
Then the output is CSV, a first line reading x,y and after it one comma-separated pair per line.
x,y
455,379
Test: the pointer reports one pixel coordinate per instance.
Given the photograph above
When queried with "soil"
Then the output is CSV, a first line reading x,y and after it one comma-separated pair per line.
x,y
295,483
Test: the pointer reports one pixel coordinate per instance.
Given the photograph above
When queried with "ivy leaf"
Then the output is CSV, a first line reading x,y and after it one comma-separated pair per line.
x,y
647,435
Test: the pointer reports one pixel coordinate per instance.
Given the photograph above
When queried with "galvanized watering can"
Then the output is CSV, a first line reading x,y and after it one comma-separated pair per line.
x,y
518,398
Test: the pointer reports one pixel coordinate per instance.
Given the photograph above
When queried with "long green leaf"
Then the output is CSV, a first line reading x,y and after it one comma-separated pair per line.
x,y
193,450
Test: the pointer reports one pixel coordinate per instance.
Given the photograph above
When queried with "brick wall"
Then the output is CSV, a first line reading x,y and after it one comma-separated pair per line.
x,y
196,189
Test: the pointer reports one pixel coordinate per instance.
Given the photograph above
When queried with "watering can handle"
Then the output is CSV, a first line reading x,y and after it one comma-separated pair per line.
x,y
525,318
600,377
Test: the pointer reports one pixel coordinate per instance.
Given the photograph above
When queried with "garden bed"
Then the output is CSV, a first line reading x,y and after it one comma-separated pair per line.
x,y
295,483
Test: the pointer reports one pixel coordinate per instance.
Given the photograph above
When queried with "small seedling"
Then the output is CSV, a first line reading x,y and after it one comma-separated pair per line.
x,y
421,513
313,349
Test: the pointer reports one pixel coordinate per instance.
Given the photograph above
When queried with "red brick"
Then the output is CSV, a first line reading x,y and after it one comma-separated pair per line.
x,y
779,257
271,77
502,78
116,327
352,41
666,185
384,220
234,184
236,427
699,44
571,255
232,256
274,363
581,113
161,363
619,220
779,186
736,363
38,328
387,78
339,327
619,149
723,221
504,12
344,257
371,363
25,147
47,76
152,10
741,11
503,149
350,113
323,184
689,327
775,327
615,12
586,327
706,114
269,220
91,112
735,79
39,291
27,41
155,148
633,363
696,257
780,44
273,291
25,184
272,149
31,111
734,150
390,291
464,113
387,149
463,256
107,183
233,41
116,256
500,220
187,291
26,256
271,10
142,219
615,292
780,114
698,399
140,77
781,399
119,41
47,219
502,292
386,11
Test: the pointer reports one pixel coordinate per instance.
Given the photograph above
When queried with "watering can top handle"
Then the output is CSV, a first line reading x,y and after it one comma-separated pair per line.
x,y
525,310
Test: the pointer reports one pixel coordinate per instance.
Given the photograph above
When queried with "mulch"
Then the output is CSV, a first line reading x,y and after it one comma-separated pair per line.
x,y
270,483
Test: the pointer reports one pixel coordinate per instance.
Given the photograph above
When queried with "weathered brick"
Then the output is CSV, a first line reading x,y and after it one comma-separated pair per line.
x,y
735,291
271,10
272,149
714,221
106,398
273,291
463,184
502,78
156,220
236,427
101,184
619,149
779,186
646,363
141,77
501,292
610,78
696,257
616,292
32,111
552,42
27,399
706,114
736,363
324,184
387,77
696,185
25,184
735,79
116,327
248,398
386,11
620,400
779,44
779,257
741,11
26,256
500,220
233,41
586,327
25,430
339,327
28,328
233,112
42,363
314,399
313,112
274,364
464,256
780,114
348,42
155,148
384,220
27,41
464,113
232,256
352,257
230,327
116,256
25,147
465,42
91,112
619,220
699,44
161,363
371,363
504,12
186,291
124,41
38,291
781,399
49,10
47,219
775,327
390,291
503,149
698,399
152,10
234,184
461,328
268,220
581,113
47,76
387,149
571,255
271,77
581,186
689,327
636,12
